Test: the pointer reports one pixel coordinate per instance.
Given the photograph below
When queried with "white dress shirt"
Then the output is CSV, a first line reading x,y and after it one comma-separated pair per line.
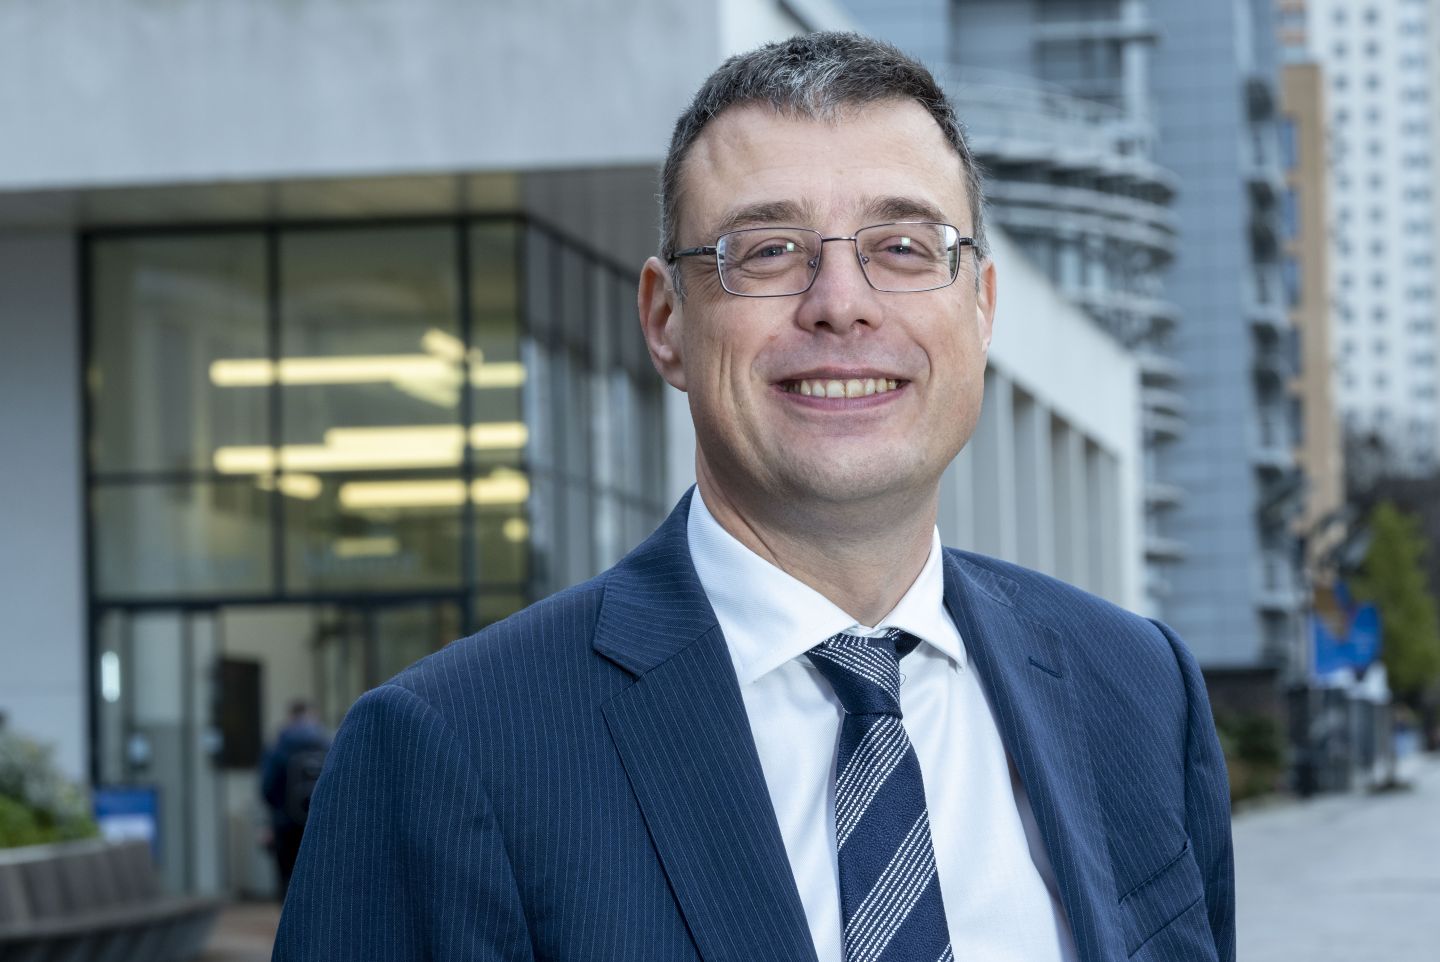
x,y
996,880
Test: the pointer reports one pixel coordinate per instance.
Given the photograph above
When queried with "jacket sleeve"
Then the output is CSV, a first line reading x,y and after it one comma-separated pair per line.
x,y
402,857
1207,802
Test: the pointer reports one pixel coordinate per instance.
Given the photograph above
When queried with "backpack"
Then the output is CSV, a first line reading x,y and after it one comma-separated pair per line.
x,y
302,771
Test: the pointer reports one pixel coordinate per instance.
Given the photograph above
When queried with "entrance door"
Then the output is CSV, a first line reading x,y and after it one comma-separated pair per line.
x,y
155,731
190,698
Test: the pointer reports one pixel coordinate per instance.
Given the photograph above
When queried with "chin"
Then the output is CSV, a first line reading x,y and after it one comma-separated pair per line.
x,y
859,482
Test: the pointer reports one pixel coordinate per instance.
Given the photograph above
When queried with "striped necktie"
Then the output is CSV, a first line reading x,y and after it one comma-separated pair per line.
x,y
889,892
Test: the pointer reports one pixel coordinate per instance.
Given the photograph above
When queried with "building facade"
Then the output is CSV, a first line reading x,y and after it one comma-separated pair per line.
x,y
1320,450
319,351
1057,100
1239,597
1379,64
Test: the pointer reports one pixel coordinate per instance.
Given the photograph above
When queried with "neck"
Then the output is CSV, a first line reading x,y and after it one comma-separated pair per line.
x,y
862,557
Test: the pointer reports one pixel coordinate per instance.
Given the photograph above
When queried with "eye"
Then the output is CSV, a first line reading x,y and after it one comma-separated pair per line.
x,y
896,247
772,248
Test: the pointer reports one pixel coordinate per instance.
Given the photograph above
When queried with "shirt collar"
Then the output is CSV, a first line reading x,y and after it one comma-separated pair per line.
x,y
770,617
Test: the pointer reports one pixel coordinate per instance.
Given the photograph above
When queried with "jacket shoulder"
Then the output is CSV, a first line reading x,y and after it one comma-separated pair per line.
x,y
1092,628
549,637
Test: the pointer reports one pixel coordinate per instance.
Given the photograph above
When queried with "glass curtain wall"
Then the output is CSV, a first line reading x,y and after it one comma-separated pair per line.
x,y
414,409
318,453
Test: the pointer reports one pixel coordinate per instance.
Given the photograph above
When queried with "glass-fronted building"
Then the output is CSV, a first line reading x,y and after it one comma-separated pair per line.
x,y
317,452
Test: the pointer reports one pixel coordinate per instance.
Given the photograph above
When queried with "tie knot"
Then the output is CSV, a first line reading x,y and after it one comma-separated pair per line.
x,y
865,672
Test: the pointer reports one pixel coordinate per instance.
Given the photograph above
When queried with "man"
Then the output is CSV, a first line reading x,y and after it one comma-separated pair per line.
x,y
288,775
789,726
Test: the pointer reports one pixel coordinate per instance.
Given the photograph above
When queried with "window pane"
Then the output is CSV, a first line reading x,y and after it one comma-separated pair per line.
x,y
371,357
178,340
501,378
389,531
181,539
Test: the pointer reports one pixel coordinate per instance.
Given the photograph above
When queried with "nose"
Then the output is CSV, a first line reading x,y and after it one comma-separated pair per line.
x,y
841,299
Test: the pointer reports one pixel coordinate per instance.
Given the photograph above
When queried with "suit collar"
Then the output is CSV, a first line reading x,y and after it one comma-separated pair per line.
x,y
1022,663
682,733
654,607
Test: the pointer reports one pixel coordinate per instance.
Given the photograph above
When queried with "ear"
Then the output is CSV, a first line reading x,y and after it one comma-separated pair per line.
x,y
985,304
661,321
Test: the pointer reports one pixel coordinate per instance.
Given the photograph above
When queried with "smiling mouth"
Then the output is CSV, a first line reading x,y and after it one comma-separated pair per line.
x,y
833,387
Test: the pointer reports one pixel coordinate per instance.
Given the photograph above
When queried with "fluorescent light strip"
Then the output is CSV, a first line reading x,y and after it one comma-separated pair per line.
x,y
502,487
358,449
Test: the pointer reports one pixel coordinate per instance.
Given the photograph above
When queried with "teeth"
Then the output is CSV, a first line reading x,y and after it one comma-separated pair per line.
x,y
854,387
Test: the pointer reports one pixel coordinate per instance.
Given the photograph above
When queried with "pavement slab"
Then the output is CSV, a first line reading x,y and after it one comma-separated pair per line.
x,y
1343,878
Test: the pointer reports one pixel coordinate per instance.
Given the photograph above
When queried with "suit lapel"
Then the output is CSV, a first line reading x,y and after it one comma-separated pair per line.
x,y
684,738
1021,663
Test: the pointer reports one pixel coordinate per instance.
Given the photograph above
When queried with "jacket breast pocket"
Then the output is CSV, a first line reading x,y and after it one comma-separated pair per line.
x,y
1166,914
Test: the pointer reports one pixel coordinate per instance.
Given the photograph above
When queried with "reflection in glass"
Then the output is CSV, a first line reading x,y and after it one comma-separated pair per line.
x,y
166,310
369,334
351,535
181,539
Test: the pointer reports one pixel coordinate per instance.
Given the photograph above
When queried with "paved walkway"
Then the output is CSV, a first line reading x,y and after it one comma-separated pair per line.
x,y
1350,878
245,933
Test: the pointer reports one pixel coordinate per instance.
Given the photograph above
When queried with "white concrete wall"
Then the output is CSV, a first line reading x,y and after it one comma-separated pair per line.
x,y
1048,349
138,92
133,91
42,588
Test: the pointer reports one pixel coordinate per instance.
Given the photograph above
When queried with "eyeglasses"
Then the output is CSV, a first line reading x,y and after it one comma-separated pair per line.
x,y
899,258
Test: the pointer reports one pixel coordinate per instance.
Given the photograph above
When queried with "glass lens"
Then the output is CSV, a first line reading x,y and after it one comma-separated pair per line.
x,y
768,260
909,257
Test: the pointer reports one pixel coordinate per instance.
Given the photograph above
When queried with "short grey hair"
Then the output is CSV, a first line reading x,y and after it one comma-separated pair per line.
x,y
815,76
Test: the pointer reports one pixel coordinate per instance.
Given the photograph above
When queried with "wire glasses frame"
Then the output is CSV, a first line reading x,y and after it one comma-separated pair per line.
x,y
784,261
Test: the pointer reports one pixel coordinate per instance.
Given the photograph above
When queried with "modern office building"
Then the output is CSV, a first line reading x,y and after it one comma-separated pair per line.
x,y
1141,168
1379,62
1238,596
318,350
1057,101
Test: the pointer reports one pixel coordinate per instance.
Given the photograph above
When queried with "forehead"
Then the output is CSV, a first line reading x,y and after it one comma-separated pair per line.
x,y
834,169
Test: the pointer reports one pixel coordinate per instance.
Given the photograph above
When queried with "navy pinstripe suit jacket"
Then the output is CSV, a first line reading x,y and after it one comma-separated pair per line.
x,y
579,782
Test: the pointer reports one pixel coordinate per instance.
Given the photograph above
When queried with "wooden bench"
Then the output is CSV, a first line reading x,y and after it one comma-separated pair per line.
x,y
95,901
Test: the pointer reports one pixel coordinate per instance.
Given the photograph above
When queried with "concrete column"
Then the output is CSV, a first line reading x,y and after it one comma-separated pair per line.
x,y
995,470
1034,485
43,683
1072,530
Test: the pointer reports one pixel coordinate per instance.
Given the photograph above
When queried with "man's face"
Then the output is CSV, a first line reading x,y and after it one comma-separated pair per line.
x,y
743,360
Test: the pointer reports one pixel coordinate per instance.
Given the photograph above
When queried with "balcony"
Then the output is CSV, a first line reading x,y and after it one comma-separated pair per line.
x,y
1161,401
1016,119
1271,451
1265,307
1276,360
1278,587
1122,29
1159,548
1259,96
1103,210
1157,370
1160,496
1160,427
1130,317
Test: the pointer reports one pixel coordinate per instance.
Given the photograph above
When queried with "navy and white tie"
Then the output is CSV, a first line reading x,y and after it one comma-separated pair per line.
x,y
889,891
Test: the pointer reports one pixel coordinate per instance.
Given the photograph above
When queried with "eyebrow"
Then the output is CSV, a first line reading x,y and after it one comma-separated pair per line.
x,y
764,213
875,210
892,208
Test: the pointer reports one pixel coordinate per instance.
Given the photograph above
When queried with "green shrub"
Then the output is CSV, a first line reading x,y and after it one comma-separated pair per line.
x,y
1254,754
38,804
17,825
